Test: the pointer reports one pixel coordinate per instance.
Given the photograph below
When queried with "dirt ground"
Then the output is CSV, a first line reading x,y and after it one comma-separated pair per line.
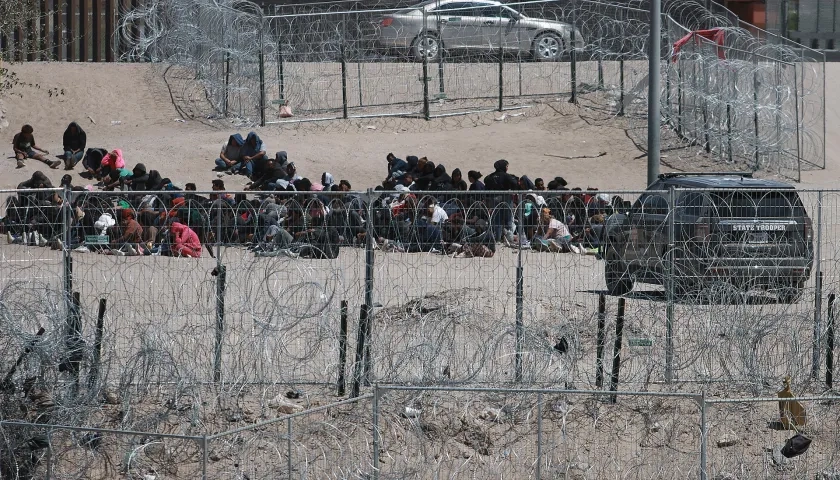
x,y
465,435
130,106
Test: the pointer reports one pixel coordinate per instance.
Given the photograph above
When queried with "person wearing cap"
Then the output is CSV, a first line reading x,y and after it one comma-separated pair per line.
x,y
131,237
475,180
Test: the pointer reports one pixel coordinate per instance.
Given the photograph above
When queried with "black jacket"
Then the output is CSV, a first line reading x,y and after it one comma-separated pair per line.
x,y
77,141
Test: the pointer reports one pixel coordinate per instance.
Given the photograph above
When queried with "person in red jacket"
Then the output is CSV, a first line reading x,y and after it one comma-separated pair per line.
x,y
185,241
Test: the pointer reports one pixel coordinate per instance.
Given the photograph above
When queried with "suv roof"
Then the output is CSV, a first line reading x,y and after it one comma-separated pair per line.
x,y
720,180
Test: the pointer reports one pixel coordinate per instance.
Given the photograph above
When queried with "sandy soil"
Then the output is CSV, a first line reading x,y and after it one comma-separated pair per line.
x,y
146,107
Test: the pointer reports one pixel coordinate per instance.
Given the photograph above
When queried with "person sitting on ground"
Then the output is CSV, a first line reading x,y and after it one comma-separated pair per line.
x,y
185,241
441,181
138,178
92,161
458,182
110,162
75,140
327,181
500,179
539,184
556,236
397,167
431,235
24,145
131,238
424,181
272,173
344,186
253,154
475,180
115,179
231,154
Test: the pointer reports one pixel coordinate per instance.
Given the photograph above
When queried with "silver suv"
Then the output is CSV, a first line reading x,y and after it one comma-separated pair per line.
x,y
428,28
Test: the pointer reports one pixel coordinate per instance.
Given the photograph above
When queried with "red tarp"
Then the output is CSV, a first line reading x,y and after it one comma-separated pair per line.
x,y
714,34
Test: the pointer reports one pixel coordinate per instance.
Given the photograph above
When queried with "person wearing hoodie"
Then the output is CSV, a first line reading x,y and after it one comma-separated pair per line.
x,y
138,178
185,241
458,182
525,183
231,153
24,146
75,140
424,181
441,180
112,161
252,156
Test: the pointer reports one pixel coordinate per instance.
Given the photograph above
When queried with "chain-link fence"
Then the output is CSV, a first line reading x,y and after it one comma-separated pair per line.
x,y
428,432
189,313
744,96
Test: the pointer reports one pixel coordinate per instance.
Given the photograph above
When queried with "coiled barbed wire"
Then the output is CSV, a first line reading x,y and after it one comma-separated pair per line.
x,y
711,95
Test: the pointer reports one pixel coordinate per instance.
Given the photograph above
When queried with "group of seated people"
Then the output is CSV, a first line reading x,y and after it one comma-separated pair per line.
x,y
418,207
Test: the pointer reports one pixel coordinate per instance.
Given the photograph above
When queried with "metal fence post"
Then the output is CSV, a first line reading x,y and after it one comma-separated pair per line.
x,y
599,347
619,332
815,359
376,439
621,87
755,108
280,73
49,456
670,281
796,117
342,350
220,273
262,75
520,281
289,446
204,457
344,67
704,434
829,344
441,84
227,80
501,62
537,473
67,211
93,373
573,54
369,263
425,59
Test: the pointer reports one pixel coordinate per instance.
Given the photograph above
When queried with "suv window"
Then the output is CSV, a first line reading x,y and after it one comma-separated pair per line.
x,y
492,11
460,8
757,204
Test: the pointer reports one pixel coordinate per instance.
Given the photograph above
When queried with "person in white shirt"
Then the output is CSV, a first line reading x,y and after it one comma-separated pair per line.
x,y
556,236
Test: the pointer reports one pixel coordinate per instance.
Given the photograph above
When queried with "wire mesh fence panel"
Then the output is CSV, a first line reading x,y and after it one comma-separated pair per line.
x,y
761,439
528,434
332,440
44,451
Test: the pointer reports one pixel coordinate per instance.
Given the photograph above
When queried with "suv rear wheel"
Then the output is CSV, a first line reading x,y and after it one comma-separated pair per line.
x,y
616,274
